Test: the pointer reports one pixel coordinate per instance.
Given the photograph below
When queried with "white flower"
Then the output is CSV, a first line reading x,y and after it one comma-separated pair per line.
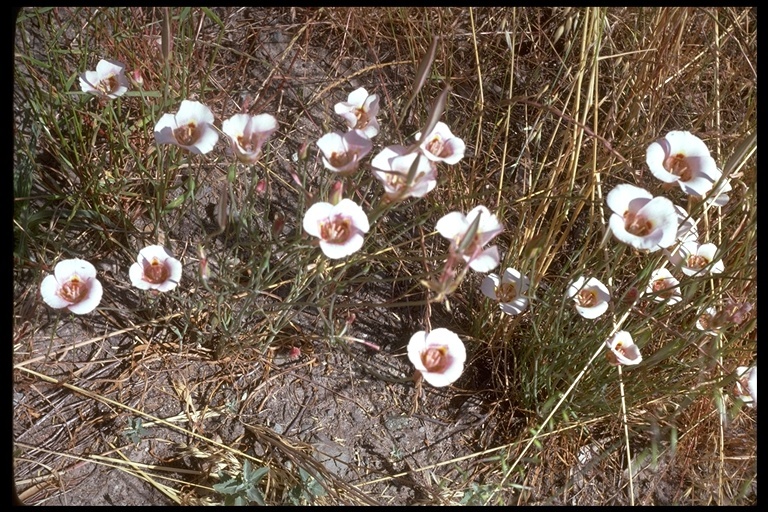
x,y
342,152
509,290
687,230
692,258
439,356
683,158
73,285
155,269
248,133
441,145
622,350
705,321
392,166
664,287
719,195
360,111
641,220
190,128
454,226
746,385
108,80
590,297
339,227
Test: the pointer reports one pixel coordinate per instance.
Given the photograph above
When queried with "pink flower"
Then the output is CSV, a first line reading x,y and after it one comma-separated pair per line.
x,y
248,133
360,111
108,80
155,269
454,226
342,152
339,227
641,220
392,166
190,128
622,350
439,356
73,285
441,145
683,158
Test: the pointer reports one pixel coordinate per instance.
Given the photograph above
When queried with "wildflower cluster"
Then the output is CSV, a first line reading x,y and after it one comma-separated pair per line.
x,y
73,284
649,224
339,226
404,172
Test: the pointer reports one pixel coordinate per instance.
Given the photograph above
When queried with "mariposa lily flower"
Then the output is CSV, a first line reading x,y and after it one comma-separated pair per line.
x,y
622,350
509,290
248,133
664,287
73,285
693,258
707,320
441,145
455,226
108,80
392,166
746,385
687,230
339,227
590,297
718,196
641,220
190,128
342,152
360,111
438,355
683,158
155,269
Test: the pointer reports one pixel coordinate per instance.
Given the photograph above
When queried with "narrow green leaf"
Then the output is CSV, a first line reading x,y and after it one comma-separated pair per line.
x,y
167,43
423,70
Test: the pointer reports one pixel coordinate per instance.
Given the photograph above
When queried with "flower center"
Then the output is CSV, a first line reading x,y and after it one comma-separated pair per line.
x,y
249,144
396,180
155,271
697,262
586,298
637,224
362,118
678,165
108,84
663,288
436,146
435,359
705,321
506,292
336,230
339,160
74,290
187,134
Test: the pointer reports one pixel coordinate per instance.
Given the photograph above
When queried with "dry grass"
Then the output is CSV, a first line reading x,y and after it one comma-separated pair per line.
x,y
556,106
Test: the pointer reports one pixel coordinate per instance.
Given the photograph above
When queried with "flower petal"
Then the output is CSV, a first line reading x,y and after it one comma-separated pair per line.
x,y
49,289
489,284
